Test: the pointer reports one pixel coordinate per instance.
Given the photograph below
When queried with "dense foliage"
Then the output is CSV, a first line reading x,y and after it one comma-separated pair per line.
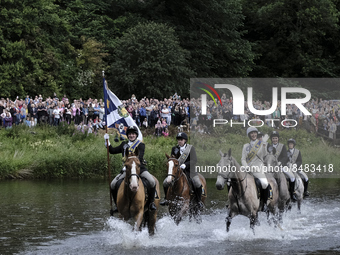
x,y
152,47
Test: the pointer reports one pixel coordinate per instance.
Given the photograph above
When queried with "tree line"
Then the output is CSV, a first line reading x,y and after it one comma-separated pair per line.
x,y
153,47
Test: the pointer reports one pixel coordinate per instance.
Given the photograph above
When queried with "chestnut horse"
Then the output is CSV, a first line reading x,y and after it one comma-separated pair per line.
x,y
131,202
179,196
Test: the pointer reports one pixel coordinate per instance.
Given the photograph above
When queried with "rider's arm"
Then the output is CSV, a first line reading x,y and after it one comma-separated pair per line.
x,y
299,160
283,158
116,150
244,155
193,158
141,151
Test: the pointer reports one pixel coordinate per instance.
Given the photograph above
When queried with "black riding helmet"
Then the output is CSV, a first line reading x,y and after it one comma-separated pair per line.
x,y
132,129
291,140
182,135
273,134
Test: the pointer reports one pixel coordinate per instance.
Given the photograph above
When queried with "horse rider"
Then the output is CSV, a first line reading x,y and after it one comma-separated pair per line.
x,y
259,135
132,144
282,158
294,157
252,157
187,160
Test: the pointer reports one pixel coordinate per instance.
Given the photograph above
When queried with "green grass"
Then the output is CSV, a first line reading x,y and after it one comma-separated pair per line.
x,y
63,152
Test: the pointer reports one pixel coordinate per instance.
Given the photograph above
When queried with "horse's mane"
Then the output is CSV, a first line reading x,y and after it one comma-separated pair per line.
x,y
235,162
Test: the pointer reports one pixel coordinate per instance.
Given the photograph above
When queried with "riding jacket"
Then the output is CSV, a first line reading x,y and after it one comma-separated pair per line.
x,y
122,148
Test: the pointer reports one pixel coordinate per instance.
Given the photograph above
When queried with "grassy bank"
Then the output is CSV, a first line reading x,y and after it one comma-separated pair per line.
x,y
63,152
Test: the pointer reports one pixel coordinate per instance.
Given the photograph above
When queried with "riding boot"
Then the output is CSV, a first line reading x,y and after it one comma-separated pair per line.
x,y
165,202
266,193
114,196
151,198
291,191
305,191
198,192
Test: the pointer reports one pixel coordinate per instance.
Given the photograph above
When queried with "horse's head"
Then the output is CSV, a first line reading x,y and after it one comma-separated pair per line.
x,y
270,158
223,165
132,165
173,168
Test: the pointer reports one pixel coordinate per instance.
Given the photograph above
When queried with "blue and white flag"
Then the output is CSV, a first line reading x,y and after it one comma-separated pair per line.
x,y
117,116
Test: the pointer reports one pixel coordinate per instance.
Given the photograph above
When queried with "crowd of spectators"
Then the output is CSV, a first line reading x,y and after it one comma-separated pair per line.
x,y
147,112
184,114
325,118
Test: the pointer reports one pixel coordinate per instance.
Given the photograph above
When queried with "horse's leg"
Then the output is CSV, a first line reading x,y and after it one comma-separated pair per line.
x,y
153,214
280,216
253,220
228,219
299,206
183,208
139,219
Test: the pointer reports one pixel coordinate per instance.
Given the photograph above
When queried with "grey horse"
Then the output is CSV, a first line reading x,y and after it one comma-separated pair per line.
x,y
270,160
243,195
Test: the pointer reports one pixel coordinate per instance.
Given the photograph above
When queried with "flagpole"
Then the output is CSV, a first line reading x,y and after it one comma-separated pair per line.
x,y
108,149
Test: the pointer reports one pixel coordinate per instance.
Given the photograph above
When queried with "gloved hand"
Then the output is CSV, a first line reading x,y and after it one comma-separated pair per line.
x,y
107,141
124,168
265,138
183,166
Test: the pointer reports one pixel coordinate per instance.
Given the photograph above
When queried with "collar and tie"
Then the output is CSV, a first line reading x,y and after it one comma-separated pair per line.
x,y
181,149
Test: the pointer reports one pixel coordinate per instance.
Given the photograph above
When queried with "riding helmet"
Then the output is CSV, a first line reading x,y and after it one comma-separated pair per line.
x,y
259,134
182,135
132,129
291,140
251,129
273,134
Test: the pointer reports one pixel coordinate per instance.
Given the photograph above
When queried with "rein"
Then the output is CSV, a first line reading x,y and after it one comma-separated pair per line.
x,y
138,177
179,175
240,181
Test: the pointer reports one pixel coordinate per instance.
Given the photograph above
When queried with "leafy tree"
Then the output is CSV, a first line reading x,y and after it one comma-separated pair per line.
x,y
150,62
90,61
211,30
293,38
33,42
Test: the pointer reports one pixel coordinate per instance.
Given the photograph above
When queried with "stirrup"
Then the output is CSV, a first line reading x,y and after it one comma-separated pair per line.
x,y
164,203
113,211
293,197
152,207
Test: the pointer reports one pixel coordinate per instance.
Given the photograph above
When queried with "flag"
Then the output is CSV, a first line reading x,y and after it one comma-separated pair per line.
x,y
117,116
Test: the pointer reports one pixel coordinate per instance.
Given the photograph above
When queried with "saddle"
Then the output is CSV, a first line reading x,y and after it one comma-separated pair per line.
x,y
192,189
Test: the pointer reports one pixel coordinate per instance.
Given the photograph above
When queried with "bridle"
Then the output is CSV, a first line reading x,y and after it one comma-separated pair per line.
x,y
179,174
236,181
129,177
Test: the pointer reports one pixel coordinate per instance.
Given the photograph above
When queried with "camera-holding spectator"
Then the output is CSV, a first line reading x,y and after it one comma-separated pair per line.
x,y
56,116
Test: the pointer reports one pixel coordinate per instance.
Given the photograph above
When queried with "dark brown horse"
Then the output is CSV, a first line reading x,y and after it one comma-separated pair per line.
x,y
180,198
131,196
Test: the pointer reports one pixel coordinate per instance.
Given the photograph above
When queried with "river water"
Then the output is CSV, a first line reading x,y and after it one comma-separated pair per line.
x,y
72,217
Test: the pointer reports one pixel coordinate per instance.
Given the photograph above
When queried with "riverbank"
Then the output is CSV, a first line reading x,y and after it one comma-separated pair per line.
x,y
46,152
